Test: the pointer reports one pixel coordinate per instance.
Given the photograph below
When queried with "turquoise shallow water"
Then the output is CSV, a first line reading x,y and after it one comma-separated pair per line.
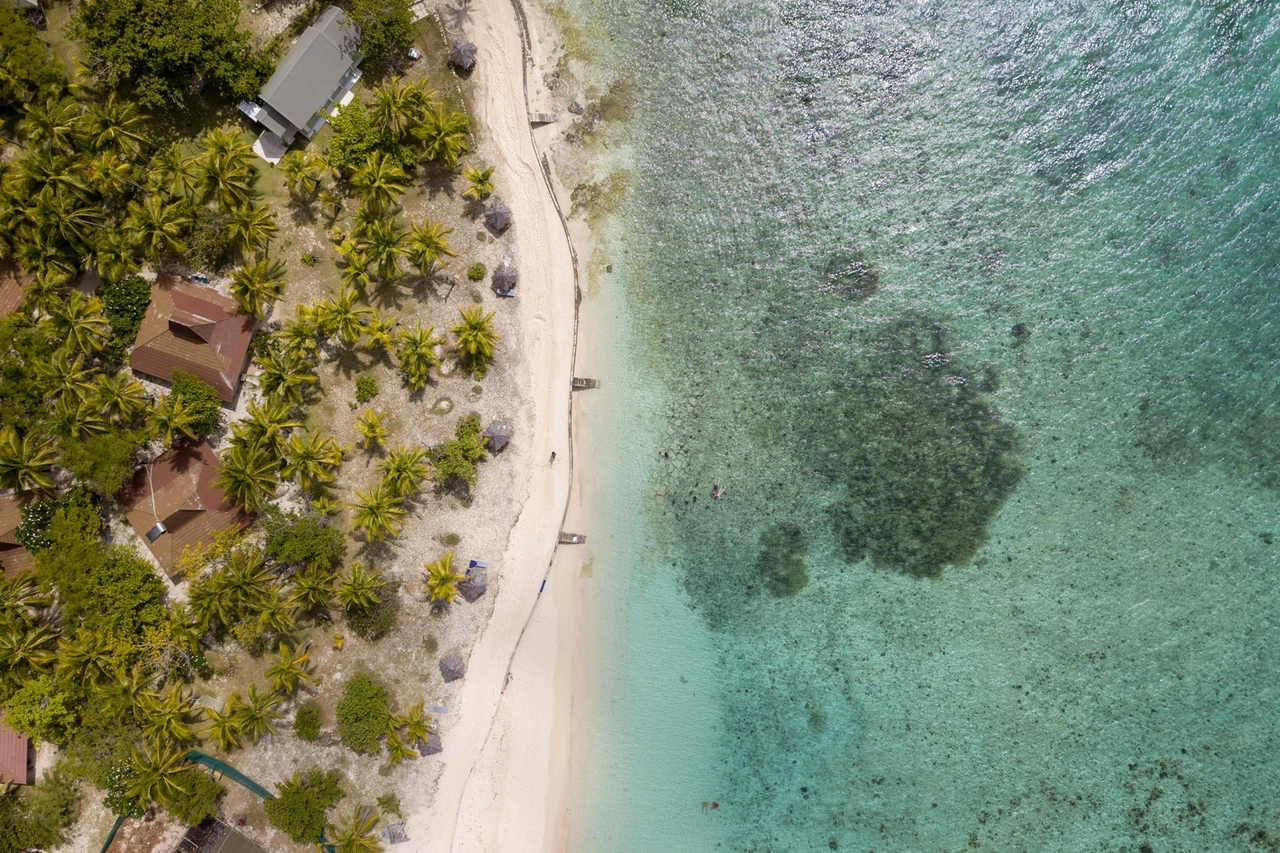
x,y
971,309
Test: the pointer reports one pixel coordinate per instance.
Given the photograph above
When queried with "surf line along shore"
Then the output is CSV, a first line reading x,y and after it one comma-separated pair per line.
x,y
506,759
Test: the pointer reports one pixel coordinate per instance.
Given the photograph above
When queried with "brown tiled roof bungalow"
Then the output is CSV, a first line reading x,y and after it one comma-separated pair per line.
x,y
13,557
15,756
11,293
173,502
196,329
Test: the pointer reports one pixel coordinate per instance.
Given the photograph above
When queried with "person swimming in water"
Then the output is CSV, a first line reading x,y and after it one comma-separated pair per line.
x,y
716,490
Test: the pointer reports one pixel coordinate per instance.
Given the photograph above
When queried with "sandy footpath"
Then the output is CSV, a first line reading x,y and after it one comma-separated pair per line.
x,y
499,782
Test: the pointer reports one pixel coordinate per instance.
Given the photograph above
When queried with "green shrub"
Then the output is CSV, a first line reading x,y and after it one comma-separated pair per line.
x,y
103,462
301,538
308,259
366,389
354,137
54,802
196,799
376,621
363,713
36,516
386,30
300,809
476,272
209,244
262,345
125,304
28,69
456,459
390,804
201,397
118,800
306,725
43,709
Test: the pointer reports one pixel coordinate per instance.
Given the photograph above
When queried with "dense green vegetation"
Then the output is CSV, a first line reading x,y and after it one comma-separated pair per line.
x,y
163,51
300,809
94,657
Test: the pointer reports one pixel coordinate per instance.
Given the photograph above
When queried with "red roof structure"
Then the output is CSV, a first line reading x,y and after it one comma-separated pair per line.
x,y
196,329
12,278
172,502
15,755
14,559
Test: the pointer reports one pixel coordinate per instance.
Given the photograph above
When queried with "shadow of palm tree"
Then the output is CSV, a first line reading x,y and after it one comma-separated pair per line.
x,y
459,15
436,180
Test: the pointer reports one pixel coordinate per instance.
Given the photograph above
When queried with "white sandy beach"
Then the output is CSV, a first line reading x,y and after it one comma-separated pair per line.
x,y
506,758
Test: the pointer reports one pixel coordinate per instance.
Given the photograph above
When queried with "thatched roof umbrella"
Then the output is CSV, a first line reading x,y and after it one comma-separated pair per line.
x,y
473,587
462,54
498,216
505,277
498,435
452,668
434,746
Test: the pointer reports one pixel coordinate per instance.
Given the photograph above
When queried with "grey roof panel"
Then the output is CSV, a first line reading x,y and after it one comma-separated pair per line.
x,y
314,67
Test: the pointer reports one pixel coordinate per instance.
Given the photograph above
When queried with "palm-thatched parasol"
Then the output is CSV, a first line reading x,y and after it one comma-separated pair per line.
x,y
498,216
452,668
462,54
473,587
498,435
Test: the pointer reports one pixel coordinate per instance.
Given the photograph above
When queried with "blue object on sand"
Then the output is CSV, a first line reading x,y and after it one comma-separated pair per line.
x,y
479,564
201,278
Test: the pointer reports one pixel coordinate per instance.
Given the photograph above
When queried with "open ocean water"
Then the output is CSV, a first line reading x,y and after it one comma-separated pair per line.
x,y
971,308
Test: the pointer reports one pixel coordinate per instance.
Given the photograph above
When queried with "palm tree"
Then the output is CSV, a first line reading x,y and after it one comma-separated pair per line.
x,y
22,597
155,770
265,426
301,169
172,172
427,246
248,476
153,226
51,124
377,512
379,182
314,459
63,377
25,651
209,600
225,728
277,612
403,470
251,227
225,142
369,426
357,835
171,417
164,716
343,317
43,292
289,668
359,588
76,418
257,716
475,339
353,263
114,125
379,333
113,255
255,286
285,377
442,580
313,588
120,397
479,183
332,204
444,134
384,244
122,695
415,725
81,323
87,658
397,106
324,503
297,338
248,579
24,460
397,749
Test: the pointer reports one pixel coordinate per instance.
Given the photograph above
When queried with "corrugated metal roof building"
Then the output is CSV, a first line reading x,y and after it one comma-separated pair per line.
x,y
173,502
196,329
15,756
13,557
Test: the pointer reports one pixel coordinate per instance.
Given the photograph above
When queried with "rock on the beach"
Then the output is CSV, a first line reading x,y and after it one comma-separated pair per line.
x,y
433,747
473,587
452,668
575,108
498,216
462,54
